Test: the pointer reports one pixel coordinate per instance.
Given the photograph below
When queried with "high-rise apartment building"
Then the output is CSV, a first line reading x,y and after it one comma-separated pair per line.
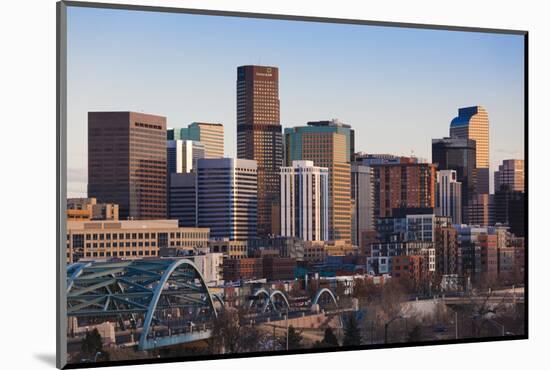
x,y
327,146
459,155
362,196
259,136
403,185
510,175
304,201
473,123
182,155
127,162
227,197
449,196
211,135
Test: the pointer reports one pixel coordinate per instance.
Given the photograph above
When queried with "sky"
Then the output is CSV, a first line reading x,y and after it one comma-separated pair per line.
x,y
397,87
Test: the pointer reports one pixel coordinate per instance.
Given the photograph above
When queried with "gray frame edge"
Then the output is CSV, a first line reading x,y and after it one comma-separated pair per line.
x,y
61,188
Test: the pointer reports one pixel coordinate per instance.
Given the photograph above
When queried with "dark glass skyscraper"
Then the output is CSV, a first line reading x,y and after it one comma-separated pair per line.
x,y
459,155
259,137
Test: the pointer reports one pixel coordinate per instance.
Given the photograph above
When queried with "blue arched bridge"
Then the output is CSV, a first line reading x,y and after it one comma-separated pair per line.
x,y
162,302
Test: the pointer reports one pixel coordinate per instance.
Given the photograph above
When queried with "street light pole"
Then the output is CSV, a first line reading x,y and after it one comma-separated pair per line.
x,y
286,329
456,325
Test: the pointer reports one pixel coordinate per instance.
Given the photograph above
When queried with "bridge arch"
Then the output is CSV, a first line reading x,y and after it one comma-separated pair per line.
x,y
218,298
257,293
280,294
160,287
322,291
148,288
325,291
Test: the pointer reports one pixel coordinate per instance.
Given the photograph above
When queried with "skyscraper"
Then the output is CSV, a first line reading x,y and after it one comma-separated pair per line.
x,y
448,196
182,155
511,175
127,162
327,146
480,210
458,155
403,185
510,209
211,135
349,132
362,195
182,198
304,201
259,136
227,197
473,123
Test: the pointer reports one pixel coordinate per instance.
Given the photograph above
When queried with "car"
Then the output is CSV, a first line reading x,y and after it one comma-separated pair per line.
x,y
440,329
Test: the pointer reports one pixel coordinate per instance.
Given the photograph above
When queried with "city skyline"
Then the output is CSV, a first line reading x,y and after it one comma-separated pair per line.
x,y
367,103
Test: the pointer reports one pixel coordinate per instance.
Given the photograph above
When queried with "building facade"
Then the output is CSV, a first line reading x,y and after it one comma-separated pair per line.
x,y
459,155
87,209
182,155
510,175
227,197
480,210
403,185
130,239
127,162
211,135
259,137
232,249
473,123
449,196
327,146
182,198
362,196
304,201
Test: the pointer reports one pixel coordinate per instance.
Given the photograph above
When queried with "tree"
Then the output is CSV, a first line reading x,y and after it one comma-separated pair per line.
x,y
415,335
391,300
352,333
330,339
294,339
92,343
232,334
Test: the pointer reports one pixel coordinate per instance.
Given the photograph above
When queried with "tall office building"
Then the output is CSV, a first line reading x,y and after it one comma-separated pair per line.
x,y
349,132
448,196
259,136
127,162
510,209
182,198
403,185
510,175
182,155
362,196
327,146
227,197
211,135
304,201
480,210
473,123
458,155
